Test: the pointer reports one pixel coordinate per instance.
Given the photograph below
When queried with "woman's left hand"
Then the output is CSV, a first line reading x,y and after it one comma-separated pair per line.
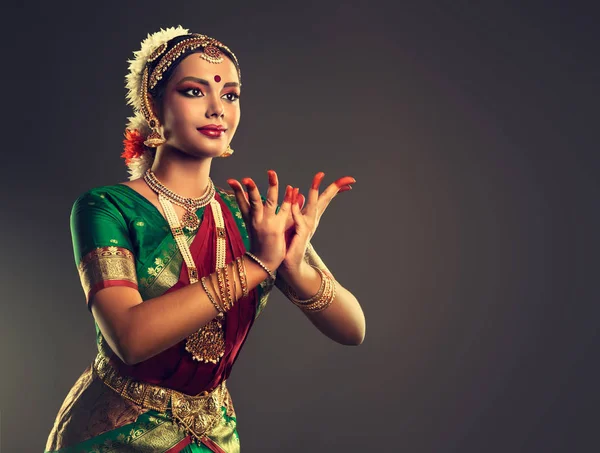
x,y
306,219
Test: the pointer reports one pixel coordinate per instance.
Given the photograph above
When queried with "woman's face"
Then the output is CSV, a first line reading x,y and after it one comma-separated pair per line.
x,y
200,94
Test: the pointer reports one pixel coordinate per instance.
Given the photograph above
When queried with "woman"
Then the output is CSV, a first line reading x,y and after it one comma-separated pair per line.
x,y
158,383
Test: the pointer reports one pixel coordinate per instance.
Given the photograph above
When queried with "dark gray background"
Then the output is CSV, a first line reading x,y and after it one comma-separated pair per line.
x,y
470,238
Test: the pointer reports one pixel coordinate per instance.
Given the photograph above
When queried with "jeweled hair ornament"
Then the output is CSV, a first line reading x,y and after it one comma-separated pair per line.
x,y
146,70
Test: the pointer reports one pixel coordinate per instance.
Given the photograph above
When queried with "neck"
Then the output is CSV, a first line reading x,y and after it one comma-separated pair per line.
x,y
185,175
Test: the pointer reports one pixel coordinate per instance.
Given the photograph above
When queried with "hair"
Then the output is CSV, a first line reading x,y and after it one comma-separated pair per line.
x,y
138,156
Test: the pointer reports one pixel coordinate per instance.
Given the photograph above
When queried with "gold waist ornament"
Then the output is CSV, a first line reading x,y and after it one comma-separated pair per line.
x,y
196,415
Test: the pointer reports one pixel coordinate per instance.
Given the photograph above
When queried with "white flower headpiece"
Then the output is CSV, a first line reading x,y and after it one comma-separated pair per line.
x,y
136,66
137,165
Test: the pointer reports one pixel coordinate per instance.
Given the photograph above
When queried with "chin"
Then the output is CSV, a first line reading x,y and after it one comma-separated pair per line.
x,y
204,151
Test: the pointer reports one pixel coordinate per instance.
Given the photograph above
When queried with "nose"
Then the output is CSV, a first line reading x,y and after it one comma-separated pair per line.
x,y
215,107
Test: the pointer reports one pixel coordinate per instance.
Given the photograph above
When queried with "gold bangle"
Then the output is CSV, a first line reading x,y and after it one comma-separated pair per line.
x,y
294,297
235,298
241,267
210,297
215,290
319,301
325,301
227,287
261,264
222,291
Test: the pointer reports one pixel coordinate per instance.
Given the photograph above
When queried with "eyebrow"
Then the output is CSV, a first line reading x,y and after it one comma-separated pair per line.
x,y
205,82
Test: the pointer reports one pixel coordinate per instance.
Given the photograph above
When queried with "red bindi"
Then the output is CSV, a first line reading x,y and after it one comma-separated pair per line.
x,y
217,78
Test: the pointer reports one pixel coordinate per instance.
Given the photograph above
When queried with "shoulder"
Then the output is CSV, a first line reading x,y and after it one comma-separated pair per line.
x,y
103,200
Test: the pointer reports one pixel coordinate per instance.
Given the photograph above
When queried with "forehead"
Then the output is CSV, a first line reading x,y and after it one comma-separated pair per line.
x,y
196,66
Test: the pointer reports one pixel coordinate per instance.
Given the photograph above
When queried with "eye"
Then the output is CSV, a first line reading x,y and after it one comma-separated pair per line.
x,y
197,92
231,97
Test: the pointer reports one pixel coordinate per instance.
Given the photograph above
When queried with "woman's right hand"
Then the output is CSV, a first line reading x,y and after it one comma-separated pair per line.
x,y
265,228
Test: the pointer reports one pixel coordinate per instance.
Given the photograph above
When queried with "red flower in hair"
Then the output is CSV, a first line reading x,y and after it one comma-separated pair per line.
x,y
133,145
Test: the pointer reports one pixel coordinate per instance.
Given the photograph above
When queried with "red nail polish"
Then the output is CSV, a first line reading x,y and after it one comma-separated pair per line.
x,y
272,178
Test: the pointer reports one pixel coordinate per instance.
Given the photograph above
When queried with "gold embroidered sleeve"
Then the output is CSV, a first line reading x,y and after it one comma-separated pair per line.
x,y
107,266
313,259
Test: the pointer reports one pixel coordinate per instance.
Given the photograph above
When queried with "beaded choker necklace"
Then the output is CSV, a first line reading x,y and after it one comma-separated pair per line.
x,y
189,220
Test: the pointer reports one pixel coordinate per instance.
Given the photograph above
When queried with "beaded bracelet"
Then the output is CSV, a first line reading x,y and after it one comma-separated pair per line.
x,y
273,276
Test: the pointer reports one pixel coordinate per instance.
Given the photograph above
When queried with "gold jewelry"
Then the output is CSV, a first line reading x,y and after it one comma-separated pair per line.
x,y
261,264
319,301
222,290
228,152
210,297
195,414
241,267
208,343
234,282
191,205
155,138
211,53
228,287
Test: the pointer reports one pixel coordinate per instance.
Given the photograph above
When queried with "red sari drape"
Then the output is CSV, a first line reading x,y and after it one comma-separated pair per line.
x,y
174,368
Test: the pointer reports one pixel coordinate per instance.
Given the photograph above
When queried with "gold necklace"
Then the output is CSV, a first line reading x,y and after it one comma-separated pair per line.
x,y
208,343
190,220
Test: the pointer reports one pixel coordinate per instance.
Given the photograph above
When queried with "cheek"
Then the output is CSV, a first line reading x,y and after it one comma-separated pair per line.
x,y
235,114
179,112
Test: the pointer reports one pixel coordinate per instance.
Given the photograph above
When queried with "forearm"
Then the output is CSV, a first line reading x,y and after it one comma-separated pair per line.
x,y
159,323
343,321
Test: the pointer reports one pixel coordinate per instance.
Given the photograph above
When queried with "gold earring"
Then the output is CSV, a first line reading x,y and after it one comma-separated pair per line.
x,y
228,152
155,138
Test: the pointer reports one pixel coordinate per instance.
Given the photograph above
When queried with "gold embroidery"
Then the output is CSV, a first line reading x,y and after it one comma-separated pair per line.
x,y
197,414
106,263
160,265
90,409
166,276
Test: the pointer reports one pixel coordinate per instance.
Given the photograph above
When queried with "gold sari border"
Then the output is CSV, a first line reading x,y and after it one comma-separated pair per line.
x,y
104,265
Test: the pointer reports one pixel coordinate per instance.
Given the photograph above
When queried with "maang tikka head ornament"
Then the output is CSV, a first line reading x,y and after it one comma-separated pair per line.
x,y
150,65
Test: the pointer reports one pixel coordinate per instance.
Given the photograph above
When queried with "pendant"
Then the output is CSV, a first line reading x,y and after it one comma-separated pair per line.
x,y
208,343
190,221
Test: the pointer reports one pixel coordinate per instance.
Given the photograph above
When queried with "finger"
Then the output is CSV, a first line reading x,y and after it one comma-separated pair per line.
x,y
313,194
345,188
272,193
241,198
332,190
256,205
299,219
284,209
301,201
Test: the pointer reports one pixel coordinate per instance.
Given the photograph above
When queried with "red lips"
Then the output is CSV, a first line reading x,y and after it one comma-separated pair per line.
x,y
213,127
